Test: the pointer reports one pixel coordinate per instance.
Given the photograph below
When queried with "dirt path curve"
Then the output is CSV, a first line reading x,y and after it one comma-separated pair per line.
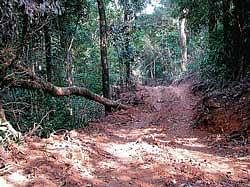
x,y
150,145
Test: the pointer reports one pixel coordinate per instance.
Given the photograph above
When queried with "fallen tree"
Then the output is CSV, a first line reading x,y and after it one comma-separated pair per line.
x,y
24,77
31,81
68,91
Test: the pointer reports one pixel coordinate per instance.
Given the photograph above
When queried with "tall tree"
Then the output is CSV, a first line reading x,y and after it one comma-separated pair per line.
x,y
235,37
211,19
47,41
240,36
183,40
127,43
103,50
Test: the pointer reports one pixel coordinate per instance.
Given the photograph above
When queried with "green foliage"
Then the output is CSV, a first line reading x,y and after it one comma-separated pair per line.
x,y
225,26
149,42
78,23
157,44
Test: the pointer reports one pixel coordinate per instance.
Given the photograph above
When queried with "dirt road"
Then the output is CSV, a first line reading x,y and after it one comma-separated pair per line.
x,y
149,145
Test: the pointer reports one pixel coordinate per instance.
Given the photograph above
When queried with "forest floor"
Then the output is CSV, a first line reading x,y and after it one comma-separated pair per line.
x,y
149,145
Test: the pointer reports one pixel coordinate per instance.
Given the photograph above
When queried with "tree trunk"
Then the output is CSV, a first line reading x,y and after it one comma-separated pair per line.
x,y
227,42
47,40
211,20
63,36
103,50
246,45
127,43
239,36
235,24
69,65
25,23
121,73
183,41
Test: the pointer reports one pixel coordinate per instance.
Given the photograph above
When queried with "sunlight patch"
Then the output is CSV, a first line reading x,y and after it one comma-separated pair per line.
x,y
132,150
84,172
216,164
17,178
191,142
109,164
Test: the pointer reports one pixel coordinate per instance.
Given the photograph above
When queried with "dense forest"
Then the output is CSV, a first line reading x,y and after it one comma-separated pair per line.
x,y
65,65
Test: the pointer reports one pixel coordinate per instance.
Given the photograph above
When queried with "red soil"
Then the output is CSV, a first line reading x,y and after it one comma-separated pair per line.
x,y
149,145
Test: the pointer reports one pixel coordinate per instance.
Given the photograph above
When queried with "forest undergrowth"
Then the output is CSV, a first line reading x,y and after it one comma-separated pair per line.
x,y
153,143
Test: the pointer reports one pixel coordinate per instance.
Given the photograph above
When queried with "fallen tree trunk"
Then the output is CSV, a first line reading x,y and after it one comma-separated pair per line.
x,y
68,91
29,80
24,77
32,81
